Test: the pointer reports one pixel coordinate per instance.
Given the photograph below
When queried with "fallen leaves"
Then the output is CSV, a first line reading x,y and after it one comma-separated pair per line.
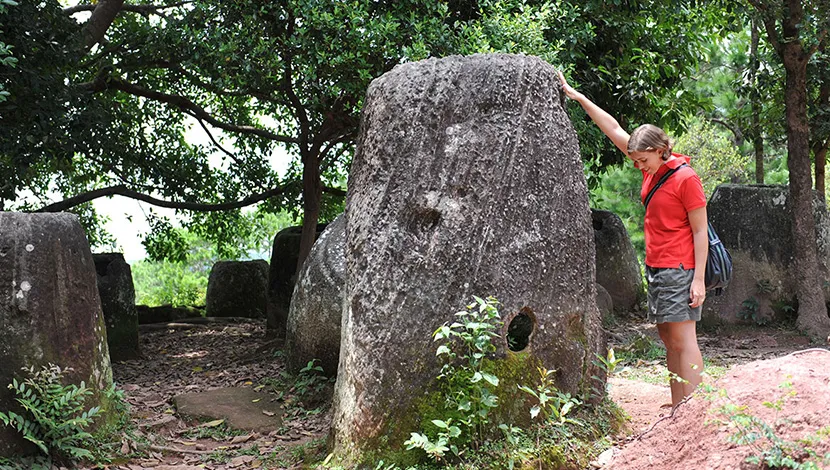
x,y
241,355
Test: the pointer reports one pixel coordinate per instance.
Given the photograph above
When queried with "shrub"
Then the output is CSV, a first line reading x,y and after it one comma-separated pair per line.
x,y
54,419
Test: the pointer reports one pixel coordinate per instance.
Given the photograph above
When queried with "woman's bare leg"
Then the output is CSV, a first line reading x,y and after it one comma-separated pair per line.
x,y
683,357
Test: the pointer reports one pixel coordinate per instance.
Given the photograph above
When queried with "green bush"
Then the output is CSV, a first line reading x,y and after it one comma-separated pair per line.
x,y
714,157
768,449
169,283
177,271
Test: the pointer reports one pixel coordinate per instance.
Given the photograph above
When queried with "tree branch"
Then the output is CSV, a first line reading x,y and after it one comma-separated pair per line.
x,y
334,191
737,136
102,17
325,160
258,94
141,9
769,24
819,45
122,190
102,83
217,144
288,86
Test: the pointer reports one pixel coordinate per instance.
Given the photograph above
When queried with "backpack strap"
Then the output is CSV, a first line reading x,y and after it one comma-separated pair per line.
x,y
660,183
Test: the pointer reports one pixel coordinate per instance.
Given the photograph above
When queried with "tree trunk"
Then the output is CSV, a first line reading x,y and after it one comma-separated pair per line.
x,y
757,137
820,156
812,312
758,146
823,141
312,196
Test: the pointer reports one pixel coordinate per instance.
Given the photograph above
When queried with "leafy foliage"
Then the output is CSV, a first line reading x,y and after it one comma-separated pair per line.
x,y
553,404
305,392
740,88
6,58
469,388
56,419
618,191
714,157
751,311
262,79
167,283
183,281
632,59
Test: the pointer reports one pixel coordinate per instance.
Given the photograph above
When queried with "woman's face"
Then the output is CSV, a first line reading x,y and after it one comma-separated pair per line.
x,y
649,160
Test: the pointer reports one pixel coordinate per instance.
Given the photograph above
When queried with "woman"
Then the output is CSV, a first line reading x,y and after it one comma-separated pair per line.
x,y
676,241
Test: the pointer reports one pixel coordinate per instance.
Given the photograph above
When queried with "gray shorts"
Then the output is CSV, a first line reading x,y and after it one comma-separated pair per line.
x,y
668,295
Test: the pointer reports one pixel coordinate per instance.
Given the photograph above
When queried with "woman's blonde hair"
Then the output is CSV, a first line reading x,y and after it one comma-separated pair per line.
x,y
649,137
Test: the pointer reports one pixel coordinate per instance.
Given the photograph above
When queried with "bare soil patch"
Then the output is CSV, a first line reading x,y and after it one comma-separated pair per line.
x,y
771,380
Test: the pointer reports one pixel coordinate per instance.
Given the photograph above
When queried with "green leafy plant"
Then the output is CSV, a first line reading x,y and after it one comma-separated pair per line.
x,y
515,437
785,311
110,433
6,59
54,420
310,388
305,392
553,404
469,388
764,286
768,448
609,365
751,311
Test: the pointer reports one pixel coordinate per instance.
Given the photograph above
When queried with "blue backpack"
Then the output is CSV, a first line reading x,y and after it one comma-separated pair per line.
x,y
719,261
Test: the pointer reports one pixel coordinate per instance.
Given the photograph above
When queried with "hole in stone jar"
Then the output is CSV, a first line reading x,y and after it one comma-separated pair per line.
x,y
520,329
423,219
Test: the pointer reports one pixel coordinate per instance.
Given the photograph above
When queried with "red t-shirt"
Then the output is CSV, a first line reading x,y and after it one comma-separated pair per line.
x,y
669,240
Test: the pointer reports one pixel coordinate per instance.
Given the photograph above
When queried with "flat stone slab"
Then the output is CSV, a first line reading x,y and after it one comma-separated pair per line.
x,y
241,407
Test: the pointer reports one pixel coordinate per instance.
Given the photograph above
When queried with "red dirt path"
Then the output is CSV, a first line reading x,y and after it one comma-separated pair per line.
x,y
696,436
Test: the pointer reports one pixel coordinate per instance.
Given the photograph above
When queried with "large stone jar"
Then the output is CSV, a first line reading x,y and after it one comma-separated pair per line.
x,y
467,181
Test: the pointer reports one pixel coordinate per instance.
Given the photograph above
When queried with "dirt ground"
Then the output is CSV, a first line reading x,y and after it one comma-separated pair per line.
x,y
191,358
762,377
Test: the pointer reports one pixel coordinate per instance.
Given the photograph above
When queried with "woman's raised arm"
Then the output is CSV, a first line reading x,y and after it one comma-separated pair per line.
x,y
606,123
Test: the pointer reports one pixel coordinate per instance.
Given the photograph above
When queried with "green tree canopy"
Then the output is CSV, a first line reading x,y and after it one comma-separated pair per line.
x,y
5,50
105,91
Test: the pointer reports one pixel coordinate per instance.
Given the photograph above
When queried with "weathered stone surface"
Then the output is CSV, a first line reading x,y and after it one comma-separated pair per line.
x,y
166,313
115,287
467,181
605,303
237,289
282,276
314,318
50,311
755,225
618,269
240,407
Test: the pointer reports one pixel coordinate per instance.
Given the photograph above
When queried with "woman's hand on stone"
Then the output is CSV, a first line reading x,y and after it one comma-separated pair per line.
x,y
569,91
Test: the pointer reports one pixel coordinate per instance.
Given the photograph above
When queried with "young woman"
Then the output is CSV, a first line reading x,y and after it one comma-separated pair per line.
x,y
676,240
